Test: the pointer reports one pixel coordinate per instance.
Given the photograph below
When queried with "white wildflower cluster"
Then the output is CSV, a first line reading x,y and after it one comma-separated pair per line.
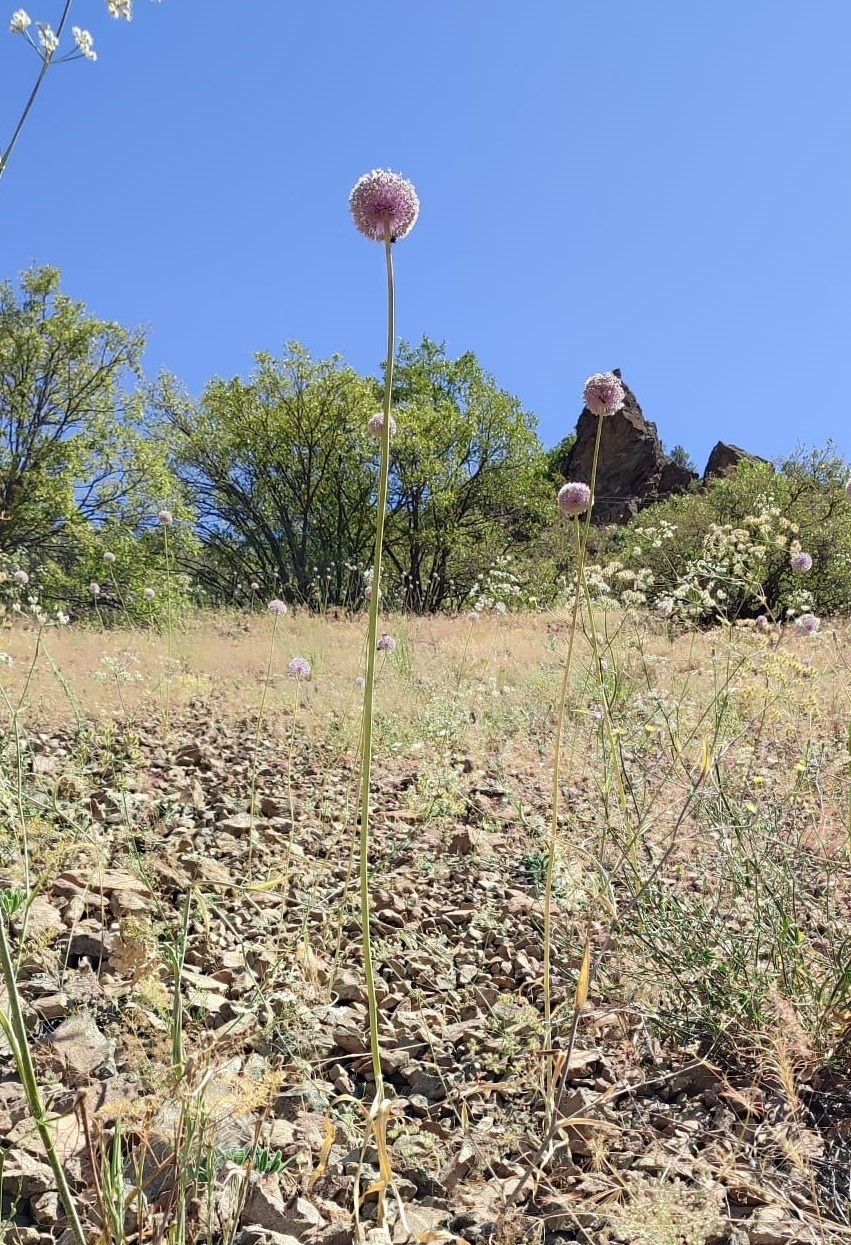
x,y
497,589
617,582
20,595
48,40
731,572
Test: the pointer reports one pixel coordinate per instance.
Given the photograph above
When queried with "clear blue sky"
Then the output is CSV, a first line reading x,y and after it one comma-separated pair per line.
x,y
658,186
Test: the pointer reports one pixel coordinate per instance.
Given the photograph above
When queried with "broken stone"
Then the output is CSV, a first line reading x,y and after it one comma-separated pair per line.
x,y
81,1046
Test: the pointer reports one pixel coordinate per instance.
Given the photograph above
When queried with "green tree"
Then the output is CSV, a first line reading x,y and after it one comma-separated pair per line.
x,y
467,475
74,463
279,470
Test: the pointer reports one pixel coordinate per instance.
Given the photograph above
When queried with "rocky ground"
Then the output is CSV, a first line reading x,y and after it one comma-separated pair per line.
x,y
260,1138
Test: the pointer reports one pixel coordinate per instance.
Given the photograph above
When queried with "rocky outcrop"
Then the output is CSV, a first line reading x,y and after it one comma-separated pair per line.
x,y
725,458
633,469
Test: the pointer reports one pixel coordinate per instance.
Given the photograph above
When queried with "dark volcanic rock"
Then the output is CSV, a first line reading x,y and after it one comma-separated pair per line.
x,y
633,468
725,458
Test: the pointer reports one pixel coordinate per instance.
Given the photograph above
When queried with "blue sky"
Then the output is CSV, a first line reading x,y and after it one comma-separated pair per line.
x,y
660,187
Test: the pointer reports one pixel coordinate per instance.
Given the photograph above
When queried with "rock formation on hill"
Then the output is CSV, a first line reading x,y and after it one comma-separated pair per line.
x,y
725,458
633,468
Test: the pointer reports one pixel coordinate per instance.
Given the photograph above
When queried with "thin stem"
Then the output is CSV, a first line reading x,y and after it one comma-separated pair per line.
x,y
45,65
582,544
16,1034
168,670
369,688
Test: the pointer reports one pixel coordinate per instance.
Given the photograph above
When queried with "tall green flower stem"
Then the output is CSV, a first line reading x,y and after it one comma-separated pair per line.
x,y
47,61
581,545
379,1111
12,1024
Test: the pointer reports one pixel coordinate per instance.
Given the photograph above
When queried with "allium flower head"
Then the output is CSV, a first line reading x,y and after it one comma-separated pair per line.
x,y
473,616
664,607
277,607
574,499
299,668
761,623
367,592
808,624
254,585
109,558
20,21
22,577
381,198
149,594
604,394
801,562
166,518
375,426
386,644
360,682
94,589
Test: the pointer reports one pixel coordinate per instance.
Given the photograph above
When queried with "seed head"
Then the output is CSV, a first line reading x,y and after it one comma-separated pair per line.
x,y
360,682
94,589
254,585
386,644
299,668
574,499
801,562
149,594
808,624
604,394
376,425
22,577
109,558
473,616
381,198
166,518
277,607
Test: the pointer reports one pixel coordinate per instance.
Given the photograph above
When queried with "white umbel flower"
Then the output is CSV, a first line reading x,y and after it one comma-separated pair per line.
x,y
20,21
120,8
47,38
84,42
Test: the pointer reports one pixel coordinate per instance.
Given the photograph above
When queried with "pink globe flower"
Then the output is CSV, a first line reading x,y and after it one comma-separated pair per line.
x,y
22,577
149,594
386,644
299,668
473,616
801,562
574,499
604,393
94,589
808,624
384,199
166,518
761,622
109,558
367,592
664,607
277,607
376,426
360,682
254,585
